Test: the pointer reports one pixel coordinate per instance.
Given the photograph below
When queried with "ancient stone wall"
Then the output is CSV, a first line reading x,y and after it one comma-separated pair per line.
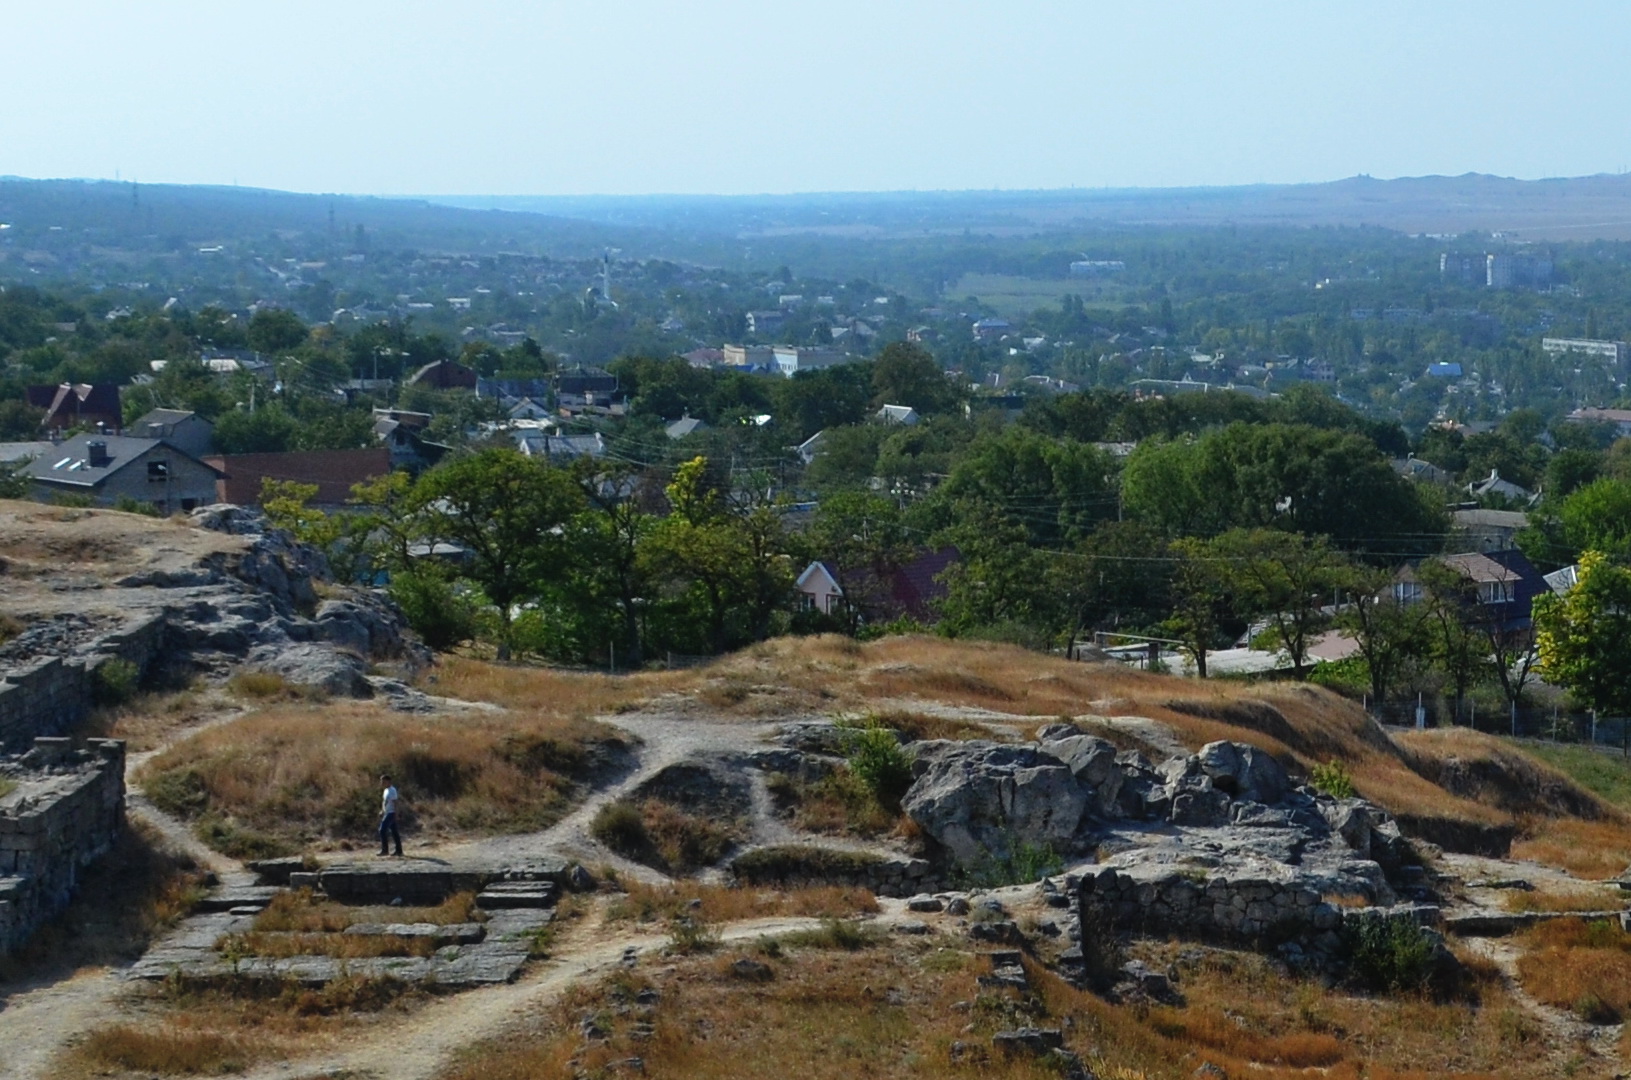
x,y
51,695
65,811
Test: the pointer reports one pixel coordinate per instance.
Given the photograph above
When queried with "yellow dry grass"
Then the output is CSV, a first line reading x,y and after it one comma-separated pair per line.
x,y
721,903
302,912
301,775
900,1010
184,1031
550,691
1588,899
1581,966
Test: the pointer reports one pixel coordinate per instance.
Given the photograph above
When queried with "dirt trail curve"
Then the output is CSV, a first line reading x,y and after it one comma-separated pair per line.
x,y
1566,1032
665,740
421,1047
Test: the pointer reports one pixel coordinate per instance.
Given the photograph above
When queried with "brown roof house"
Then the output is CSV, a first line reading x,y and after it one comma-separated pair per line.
x,y
334,472
108,468
444,375
74,405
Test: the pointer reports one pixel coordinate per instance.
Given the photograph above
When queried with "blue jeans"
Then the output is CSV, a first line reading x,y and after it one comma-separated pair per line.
x,y
387,827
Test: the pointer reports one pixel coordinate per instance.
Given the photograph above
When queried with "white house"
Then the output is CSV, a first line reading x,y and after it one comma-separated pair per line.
x,y
819,590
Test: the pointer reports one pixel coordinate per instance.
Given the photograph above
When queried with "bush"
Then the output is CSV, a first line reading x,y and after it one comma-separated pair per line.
x,y
1332,778
836,934
114,682
126,504
689,934
877,760
9,627
619,826
1392,955
1025,864
438,612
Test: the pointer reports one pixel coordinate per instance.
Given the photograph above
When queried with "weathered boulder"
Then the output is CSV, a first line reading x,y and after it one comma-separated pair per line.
x,y
1243,771
1093,762
982,800
315,666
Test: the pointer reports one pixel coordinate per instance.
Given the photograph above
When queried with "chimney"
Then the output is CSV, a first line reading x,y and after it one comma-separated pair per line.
x,y
97,454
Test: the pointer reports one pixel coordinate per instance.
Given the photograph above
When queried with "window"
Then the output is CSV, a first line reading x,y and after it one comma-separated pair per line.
x,y
806,602
1406,592
1495,592
158,471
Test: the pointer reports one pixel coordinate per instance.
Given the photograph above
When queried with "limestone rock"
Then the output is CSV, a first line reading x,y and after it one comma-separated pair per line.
x,y
320,667
982,800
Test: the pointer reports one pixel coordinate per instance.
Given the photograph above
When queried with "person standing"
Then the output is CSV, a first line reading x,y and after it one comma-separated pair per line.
x,y
387,817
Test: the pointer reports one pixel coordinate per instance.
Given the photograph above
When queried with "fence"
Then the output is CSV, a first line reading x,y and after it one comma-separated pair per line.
x,y
1552,724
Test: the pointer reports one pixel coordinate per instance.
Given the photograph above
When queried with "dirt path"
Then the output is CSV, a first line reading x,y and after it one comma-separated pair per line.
x,y
1565,1032
421,1047
665,740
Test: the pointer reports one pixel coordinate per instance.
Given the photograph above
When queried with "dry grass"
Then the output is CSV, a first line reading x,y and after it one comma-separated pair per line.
x,y
296,776
660,834
1580,900
720,903
342,946
187,1031
301,912
837,804
1595,850
832,1014
914,726
550,691
1578,965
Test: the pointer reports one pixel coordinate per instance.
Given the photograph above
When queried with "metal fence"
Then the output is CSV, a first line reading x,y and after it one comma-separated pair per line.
x,y
1527,722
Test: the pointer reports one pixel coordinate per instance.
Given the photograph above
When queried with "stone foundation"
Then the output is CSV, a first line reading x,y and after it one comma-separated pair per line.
x,y
49,697
66,810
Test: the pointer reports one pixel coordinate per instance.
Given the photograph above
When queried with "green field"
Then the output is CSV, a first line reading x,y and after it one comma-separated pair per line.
x,y
1606,775
1010,296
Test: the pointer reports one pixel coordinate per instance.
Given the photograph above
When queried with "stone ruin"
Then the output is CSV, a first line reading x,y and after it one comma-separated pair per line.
x,y
63,810
517,904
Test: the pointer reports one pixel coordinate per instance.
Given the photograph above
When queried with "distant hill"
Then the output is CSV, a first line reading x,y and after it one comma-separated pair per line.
x,y
1577,208
136,216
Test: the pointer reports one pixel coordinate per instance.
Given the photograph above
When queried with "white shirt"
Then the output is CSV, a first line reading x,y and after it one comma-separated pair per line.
x,y
389,804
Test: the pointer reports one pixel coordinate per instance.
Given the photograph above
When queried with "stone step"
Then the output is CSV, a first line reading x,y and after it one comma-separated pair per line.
x,y
253,898
448,934
517,894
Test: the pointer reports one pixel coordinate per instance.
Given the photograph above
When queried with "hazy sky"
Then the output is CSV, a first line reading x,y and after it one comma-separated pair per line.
x,y
639,96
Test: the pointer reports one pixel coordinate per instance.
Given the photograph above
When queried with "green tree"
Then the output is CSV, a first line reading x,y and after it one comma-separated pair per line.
x,y
906,374
1286,579
1388,632
1597,517
1584,636
1455,623
1201,598
508,513
275,330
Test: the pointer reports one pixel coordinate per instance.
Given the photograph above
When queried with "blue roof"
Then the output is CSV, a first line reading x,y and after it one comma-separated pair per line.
x,y
1445,371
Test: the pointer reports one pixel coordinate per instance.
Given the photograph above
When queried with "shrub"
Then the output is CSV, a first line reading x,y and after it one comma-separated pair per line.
x,y
1021,866
114,682
1393,955
619,826
9,627
1333,779
877,760
128,505
690,934
836,934
438,612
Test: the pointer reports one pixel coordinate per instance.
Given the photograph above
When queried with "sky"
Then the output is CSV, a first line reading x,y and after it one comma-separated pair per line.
x,y
540,97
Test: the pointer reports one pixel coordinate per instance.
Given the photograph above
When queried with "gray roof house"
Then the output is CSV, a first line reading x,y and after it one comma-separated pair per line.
x,y
110,467
686,425
181,428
